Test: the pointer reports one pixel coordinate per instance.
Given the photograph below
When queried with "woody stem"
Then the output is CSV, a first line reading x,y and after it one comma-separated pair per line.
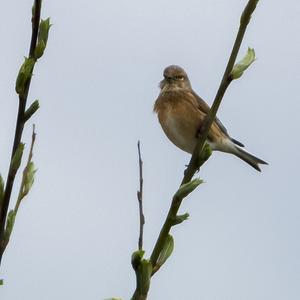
x,y
19,128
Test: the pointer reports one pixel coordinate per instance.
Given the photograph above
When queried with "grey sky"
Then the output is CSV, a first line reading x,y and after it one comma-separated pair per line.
x,y
97,82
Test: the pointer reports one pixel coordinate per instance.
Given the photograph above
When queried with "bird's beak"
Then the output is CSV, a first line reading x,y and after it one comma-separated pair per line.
x,y
168,79
162,83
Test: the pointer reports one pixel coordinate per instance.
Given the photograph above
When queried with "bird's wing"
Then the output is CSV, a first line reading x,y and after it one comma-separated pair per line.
x,y
203,106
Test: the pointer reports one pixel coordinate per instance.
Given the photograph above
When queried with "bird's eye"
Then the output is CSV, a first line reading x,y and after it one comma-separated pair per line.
x,y
180,77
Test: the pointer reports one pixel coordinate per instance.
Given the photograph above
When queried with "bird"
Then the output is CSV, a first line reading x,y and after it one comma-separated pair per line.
x,y
181,113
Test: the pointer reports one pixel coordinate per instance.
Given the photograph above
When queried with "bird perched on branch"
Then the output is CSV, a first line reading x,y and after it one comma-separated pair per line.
x,y
181,113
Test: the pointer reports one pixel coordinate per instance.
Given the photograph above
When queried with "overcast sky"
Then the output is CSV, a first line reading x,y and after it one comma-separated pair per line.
x,y
97,82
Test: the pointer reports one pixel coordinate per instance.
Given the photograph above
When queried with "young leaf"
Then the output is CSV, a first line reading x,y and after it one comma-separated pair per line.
x,y
39,49
44,30
28,178
10,221
25,73
42,38
187,188
136,258
204,154
180,218
31,110
166,251
242,65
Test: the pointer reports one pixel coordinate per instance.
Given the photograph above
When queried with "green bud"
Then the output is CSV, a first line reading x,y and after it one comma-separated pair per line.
x,y
39,49
10,221
136,258
1,189
242,65
31,110
180,218
28,178
165,252
42,38
24,75
44,31
16,160
204,154
187,188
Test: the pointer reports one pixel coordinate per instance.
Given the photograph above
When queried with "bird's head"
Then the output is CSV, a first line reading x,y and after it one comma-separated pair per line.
x,y
175,78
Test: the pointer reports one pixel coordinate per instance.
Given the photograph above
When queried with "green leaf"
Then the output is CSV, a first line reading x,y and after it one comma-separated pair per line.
x,y
10,221
166,251
17,158
187,188
44,30
242,65
180,218
1,282
31,110
42,38
24,75
205,153
28,178
39,49
1,189
136,258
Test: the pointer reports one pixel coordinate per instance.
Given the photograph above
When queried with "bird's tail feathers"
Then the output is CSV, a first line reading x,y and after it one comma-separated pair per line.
x,y
250,159
237,142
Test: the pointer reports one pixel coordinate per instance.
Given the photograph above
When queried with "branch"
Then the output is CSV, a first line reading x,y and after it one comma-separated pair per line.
x,y
164,244
195,163
26,184
142,267
140,199
19,124
23,188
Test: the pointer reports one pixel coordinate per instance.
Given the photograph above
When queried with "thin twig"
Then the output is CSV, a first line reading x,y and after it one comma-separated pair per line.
x,y
20,196
19,127
22,192
140,199
194,162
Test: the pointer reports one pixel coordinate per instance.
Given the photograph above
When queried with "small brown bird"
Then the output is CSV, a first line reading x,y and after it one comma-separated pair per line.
x,y
181,112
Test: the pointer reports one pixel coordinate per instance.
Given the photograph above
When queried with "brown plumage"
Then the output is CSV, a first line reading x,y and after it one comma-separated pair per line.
x,y
181,112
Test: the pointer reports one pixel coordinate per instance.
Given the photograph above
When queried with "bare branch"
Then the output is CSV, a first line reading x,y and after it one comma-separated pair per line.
x,y
140,199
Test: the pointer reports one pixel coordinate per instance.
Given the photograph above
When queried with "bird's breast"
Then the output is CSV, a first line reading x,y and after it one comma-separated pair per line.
x,y
180,125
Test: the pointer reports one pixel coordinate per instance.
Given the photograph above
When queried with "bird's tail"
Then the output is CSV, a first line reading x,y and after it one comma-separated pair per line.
x,y
250,159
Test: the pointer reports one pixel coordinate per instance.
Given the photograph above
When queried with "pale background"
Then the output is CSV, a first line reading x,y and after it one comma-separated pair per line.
x,y
97,82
